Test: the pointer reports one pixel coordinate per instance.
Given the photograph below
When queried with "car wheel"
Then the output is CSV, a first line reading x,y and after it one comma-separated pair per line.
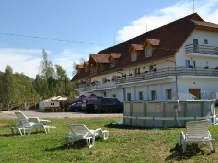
x,y
76,110
88,110
93,109
109,110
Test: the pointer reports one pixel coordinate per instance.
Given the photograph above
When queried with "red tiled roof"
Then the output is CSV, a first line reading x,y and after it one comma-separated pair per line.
x,y
115,55
100,58
172,37
206,24
79,66
154,42
137,46
86,63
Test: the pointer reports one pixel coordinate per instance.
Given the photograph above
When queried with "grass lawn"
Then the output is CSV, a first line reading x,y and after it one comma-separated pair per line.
x,y
124,145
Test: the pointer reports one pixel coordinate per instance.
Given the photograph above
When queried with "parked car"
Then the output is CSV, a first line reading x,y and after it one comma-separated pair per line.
x,y
108,105
75,107
88,105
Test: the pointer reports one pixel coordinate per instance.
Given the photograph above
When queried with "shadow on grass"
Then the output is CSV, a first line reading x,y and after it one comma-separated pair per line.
x,y
192,150
78,144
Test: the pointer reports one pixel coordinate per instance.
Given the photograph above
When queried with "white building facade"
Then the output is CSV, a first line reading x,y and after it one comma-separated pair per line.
x,y
157,65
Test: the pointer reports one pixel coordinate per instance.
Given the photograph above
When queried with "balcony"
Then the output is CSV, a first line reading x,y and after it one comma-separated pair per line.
x,y
171,71
146,76
96,86
201,49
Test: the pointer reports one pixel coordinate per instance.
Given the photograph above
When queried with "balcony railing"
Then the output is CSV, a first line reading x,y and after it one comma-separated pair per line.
x,y
160,73
166,72
201,49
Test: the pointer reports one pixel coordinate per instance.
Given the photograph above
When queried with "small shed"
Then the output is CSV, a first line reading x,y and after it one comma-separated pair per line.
x,y
53,103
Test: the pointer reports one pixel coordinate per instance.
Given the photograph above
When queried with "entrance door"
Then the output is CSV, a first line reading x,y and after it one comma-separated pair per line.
x,y
195,92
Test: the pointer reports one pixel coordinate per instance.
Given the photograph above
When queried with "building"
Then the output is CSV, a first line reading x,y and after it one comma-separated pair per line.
x,y
179,57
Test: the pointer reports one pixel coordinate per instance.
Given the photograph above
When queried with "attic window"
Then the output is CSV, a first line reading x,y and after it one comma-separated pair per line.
x,y
148,52
112,65
133,57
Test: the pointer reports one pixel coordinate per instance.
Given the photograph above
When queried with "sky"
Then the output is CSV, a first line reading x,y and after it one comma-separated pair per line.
x,y
70,30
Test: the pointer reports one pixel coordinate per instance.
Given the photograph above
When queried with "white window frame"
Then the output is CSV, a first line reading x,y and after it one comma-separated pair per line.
x,y
169,94
153,94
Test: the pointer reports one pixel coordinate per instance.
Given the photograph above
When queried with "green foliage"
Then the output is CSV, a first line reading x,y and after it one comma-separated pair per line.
x,y
17,89
125,144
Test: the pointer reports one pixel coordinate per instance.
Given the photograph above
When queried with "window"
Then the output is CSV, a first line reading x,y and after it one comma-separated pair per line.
x,y
138,70
148,52
190,63
151,68
133,56
113,78
112,65
104,80
169,94
128,96
153,95
140,95
135,71
205,41
195,45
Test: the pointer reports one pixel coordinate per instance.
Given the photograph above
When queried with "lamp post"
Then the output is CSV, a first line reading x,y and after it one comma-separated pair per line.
x,y
176,74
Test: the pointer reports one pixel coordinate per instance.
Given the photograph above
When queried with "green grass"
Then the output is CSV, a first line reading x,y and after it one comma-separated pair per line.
x,y
124,145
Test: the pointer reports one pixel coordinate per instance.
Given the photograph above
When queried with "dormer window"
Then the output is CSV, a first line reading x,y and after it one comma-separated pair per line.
x,y
112,65
133,58
150,46
148,52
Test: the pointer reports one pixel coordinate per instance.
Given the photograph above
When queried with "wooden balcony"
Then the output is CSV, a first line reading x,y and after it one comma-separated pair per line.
x,y
201,49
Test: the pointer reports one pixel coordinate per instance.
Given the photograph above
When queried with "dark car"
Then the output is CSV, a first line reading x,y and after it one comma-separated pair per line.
x,y
108,105
75,107
88,105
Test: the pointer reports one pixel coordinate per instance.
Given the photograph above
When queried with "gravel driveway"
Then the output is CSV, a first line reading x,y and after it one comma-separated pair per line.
x,y
41,114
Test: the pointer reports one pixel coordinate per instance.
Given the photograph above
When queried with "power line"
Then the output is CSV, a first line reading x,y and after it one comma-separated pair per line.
x,y
53,39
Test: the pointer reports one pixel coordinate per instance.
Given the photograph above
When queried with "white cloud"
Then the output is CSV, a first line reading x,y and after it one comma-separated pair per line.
x,y
21,60
66,60
68,56
205,8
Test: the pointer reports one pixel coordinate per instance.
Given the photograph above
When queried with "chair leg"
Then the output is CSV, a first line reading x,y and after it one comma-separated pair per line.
x,y
183,147
29,131
105,134
212,145
19,129
88,141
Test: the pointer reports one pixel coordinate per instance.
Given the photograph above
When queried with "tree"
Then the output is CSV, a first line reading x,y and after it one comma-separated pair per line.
x,y
46,69
81,62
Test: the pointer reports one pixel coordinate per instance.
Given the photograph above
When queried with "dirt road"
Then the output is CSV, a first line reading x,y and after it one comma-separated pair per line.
x,y
40,114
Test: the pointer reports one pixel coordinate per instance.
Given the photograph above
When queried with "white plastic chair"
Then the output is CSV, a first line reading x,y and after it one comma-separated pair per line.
x,y
80,131
197,131
23,125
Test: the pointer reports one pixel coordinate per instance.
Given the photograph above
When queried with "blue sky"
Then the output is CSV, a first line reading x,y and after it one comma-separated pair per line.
x,y
70,30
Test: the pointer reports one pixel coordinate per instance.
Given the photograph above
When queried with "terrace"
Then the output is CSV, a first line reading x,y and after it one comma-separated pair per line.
x,y
148,75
